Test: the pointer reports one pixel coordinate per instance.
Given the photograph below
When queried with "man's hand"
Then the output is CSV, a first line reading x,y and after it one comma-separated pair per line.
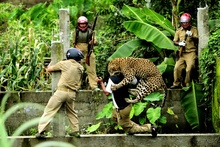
x,y
99,79
182,43
131,101
188,33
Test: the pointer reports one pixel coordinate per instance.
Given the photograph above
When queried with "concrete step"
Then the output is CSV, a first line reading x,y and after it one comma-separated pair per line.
x,y
123,140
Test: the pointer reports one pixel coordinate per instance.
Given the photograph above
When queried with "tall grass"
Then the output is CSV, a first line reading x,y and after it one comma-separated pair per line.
x,y
5,140
4,115
22,50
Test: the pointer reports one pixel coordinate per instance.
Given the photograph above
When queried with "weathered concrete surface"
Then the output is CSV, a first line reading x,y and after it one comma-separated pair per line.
x,y
123,140
88,104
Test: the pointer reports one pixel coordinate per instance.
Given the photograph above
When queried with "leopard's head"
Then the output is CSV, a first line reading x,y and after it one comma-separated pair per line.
x,y
114,66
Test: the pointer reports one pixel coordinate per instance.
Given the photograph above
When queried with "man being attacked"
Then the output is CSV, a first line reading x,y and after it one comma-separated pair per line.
x,y
121,111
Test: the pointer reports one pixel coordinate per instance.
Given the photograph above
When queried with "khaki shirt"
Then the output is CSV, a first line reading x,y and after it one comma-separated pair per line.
x,y
190,44
71,74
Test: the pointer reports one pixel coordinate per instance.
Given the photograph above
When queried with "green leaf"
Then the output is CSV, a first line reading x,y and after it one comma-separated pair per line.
x,y
93,128
100,115
149,16
139,108
190,101
149,33
170,111
118,127
153,114
126,49
106,111
162,67
162,120
166,66
142,120
155,96
132,113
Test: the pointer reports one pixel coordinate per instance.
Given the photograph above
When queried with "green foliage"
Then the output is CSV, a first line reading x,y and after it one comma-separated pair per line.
x,y
106,111
148,16
5,114
208,73
155,96
93,128
191,101
126,49
208,64
138,108
216,98
151,114
154,114
145,27
111,34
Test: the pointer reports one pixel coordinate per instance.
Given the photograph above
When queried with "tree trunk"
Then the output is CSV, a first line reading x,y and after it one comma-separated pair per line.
x,y
175,13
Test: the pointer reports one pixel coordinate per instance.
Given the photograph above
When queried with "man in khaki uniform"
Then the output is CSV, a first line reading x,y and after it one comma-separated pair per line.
x,y
121,113
186,37
81,41
68,85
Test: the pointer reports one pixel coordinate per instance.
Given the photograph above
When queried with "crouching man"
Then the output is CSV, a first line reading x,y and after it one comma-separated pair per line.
x,y
120,113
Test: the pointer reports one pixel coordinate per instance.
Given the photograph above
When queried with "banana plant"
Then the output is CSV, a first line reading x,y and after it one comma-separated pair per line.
x,y
148,26
191,102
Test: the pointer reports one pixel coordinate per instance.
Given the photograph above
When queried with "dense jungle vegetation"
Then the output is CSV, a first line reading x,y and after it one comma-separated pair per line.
x,y
27,33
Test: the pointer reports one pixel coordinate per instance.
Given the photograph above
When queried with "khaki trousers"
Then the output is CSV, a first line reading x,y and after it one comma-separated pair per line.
x,y
91,70
54,104
187,62
122,118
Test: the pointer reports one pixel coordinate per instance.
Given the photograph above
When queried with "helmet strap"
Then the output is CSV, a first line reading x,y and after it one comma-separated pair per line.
x,y
83,28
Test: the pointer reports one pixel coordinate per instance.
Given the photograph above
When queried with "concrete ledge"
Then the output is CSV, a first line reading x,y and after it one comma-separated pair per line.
x,y
121,140
87,105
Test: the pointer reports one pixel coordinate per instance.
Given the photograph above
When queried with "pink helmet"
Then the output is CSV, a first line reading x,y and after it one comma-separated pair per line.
x,y
185,20
82,20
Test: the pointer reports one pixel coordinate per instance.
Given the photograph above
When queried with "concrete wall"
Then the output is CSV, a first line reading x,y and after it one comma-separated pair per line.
x,y
88,104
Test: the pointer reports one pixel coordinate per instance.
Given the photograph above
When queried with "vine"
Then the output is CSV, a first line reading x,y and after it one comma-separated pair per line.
x,y
207,69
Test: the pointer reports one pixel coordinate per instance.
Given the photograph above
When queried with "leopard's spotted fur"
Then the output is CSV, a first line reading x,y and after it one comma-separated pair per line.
x,y
146,71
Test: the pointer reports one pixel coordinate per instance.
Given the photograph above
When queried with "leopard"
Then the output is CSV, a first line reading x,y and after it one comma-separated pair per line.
x,y
150,78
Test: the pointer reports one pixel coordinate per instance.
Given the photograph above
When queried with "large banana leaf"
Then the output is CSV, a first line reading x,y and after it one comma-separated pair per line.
x,y
150,34
145,27
149,16
126,49
190,100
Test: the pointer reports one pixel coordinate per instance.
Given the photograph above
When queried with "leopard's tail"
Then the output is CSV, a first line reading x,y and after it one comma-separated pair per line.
x,y
165,95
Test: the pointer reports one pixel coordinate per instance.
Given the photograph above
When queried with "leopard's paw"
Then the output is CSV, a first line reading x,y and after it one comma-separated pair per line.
x,y
131,101
114,87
